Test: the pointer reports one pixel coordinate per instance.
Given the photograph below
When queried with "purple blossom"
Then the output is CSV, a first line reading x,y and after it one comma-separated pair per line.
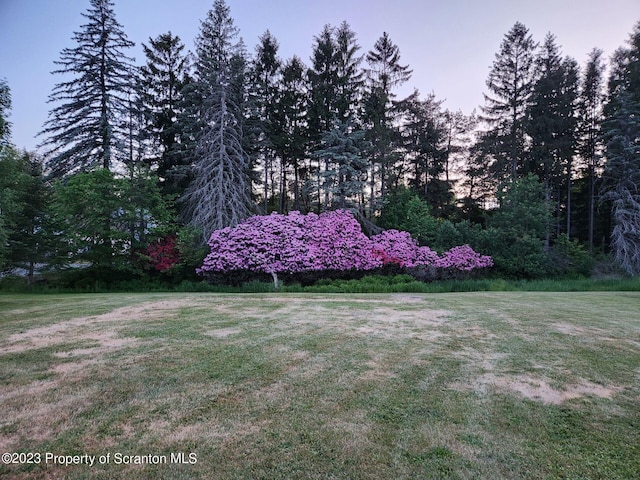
x,y
330,241
463,258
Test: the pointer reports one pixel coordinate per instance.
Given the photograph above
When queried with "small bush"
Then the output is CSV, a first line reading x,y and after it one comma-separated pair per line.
x,y
567,258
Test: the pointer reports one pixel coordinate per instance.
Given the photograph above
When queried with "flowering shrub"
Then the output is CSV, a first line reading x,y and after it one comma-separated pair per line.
x,y
296,243
463,258
336,242
163,254
393,246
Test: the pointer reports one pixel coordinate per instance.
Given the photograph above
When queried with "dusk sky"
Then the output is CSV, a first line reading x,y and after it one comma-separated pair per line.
x,y
449,44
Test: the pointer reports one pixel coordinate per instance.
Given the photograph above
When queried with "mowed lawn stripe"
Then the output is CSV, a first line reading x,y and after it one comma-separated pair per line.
x,y
464,385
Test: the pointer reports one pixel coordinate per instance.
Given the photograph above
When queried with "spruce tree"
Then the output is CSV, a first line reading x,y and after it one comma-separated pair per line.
x,y
622,172
220,192
349,74
424,136
30,235
322,83
85,130
344,176
590,122
551,124
163,79
265,72
510,85
291,141
384,73
335,81
5,107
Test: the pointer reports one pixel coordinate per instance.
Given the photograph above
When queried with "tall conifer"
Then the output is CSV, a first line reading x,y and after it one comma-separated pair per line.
x,y
510,84
220,192
622,135
85,130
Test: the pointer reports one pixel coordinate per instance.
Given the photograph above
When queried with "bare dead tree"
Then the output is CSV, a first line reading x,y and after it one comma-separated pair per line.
x,y
219,195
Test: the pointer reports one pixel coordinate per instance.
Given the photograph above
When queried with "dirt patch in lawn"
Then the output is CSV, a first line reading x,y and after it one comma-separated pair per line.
x,y
102,329
537,388
222,332
45,407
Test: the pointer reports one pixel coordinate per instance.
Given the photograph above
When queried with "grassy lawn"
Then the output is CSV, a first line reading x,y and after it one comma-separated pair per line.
x,y
489,385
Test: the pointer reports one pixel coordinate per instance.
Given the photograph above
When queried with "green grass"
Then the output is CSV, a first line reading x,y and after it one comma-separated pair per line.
x,y
488,385
368,284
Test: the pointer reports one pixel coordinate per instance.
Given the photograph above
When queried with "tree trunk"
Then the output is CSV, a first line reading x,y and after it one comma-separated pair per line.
x,y
266,186
569,206
296,188
547,200
31,273
591,204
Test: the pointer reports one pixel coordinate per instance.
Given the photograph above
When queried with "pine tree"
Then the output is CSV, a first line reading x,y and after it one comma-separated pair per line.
x,y
291,139
85,130
219,195
590,121
5,107
163,80
265,73
622,135
551,123
510,85
383,74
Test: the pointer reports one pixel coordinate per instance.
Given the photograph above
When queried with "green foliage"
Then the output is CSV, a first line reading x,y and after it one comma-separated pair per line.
x,y
24,225
522,208
85,129
5,107
516,233
447,236
515,236
101,219
569,258
85,206
9,169
405,211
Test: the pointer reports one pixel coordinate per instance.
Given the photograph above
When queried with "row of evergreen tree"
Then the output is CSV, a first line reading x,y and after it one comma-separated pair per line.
x,y
210,137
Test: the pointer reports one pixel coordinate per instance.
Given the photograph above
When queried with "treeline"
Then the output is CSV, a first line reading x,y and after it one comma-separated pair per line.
x,y
137,159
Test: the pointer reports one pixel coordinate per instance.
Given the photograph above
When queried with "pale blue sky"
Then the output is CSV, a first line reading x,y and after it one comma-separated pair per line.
x,y
449,44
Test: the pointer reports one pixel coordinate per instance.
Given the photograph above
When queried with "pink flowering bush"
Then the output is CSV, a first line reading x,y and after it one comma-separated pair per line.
x,y
463,258
289,244
270,244
336,242
332,241
393,246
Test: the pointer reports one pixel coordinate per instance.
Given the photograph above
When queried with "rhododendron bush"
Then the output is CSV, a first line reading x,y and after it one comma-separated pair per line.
x,y
163,254
295,243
